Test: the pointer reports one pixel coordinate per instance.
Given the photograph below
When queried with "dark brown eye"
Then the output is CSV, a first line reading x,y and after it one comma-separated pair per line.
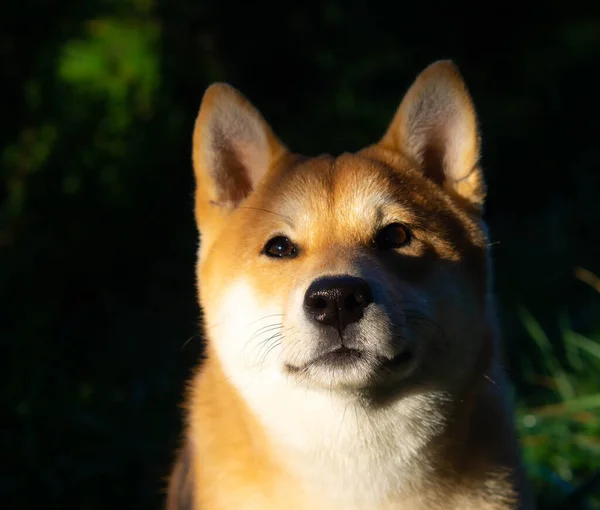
x,y
392,236
280,247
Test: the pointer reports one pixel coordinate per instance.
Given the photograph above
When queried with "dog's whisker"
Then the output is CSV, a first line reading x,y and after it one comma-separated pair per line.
x,y
265,344
255,339
197,335
266,317
265,329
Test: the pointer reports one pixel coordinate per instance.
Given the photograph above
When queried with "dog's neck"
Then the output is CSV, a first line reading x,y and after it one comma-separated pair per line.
x,y
352,452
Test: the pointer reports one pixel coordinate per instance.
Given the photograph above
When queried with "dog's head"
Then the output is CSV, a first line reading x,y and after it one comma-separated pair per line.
x,y
354,273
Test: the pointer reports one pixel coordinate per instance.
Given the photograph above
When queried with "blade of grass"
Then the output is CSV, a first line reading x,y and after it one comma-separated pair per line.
x,y
587,277
572,351
584,343
561,379
585,403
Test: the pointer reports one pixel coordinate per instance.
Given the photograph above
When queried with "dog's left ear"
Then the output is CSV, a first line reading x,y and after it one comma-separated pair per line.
x,y
436,127
233,150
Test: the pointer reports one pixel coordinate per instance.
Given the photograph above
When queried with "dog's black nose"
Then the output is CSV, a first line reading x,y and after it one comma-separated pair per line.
x,y
337,300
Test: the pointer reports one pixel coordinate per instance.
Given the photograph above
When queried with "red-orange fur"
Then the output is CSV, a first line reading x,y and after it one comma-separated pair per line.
x,y
229,461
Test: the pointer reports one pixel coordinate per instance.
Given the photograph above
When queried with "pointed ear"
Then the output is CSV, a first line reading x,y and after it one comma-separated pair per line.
x,y
233,149
436,127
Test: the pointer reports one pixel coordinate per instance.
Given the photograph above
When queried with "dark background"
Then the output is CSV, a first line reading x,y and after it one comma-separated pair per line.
x,y
98,319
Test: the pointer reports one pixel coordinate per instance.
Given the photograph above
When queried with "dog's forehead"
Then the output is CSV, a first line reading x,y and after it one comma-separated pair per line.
x,y
347,190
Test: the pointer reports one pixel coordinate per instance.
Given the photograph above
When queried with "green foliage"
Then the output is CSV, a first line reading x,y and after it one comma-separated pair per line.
x,y
561,438
115,61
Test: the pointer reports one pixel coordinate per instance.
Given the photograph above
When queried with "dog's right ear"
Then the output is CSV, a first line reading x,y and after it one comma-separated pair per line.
x,y
233,149
436,127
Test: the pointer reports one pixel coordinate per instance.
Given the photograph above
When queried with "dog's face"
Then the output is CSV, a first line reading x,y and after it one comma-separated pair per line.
x,y
362,272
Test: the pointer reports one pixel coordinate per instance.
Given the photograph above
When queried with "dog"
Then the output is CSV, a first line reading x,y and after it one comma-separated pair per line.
x,y
352,352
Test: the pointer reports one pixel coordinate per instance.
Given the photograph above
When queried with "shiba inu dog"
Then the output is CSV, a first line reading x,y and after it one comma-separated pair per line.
x,y
352,352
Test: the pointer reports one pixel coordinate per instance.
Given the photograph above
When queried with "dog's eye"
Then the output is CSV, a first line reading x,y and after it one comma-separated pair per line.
x,y
392,236
280,246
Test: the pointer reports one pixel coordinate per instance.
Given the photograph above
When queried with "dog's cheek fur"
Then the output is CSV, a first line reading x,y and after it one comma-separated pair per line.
x,y
461,315
246,333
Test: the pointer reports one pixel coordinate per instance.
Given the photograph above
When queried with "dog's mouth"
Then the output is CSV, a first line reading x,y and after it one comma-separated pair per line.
x,y
340,357
346,357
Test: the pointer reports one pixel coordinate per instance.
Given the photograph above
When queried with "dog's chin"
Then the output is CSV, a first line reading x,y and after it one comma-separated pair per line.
x,y
346,368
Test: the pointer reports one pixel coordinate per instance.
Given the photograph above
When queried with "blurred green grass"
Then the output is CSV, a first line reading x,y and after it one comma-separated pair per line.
x,y
561,437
